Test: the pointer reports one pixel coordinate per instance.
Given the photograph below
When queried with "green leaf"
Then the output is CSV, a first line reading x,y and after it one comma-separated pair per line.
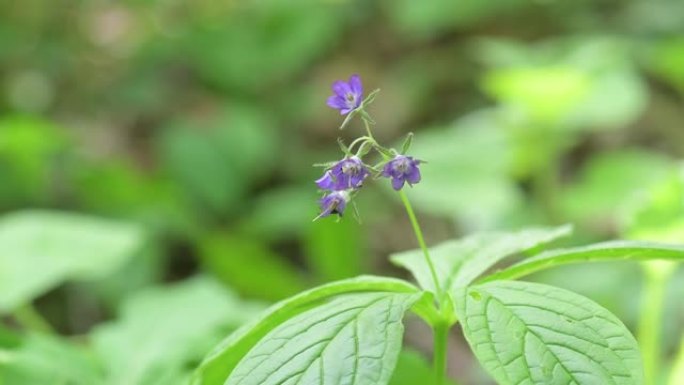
x,y
605,251
156,337
525,333
221,362
354,338
460,262
41,249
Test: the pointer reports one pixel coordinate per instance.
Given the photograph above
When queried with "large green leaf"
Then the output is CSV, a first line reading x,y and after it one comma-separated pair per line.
x,y
162,331
224,358
605,251
41,249
459,262
525,333
354,338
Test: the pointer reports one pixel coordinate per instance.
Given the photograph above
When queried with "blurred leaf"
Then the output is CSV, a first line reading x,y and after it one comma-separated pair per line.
x,y
335,250
282,213
215,161
566,84
162,332
263,43
457,179
605,251
424,19
459,262
618,97
43,248
29,148
250,267
546,94
666,59
677,374
659,214
218,365
119,188
42,359
610,181
525,332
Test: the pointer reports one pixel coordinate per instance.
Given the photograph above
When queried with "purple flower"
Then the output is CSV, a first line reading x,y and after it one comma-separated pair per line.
x,y
402,169
349,173
347,95
333,203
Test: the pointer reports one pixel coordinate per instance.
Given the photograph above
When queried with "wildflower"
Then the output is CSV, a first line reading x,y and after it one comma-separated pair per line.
x,y
347,95
349,173
402,169
333,203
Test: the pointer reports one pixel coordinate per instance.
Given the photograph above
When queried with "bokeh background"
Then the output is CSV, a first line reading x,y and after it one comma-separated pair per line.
x,y
156,178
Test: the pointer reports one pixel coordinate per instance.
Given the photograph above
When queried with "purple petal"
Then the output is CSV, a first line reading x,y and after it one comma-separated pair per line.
x,y
413,175
356,85
387,170
341,88
336,102
341,205
326,206
345,111
326,182
397,183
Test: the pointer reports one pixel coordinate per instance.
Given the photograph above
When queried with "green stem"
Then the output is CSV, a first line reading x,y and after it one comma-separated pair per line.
x,y
366,124
421,242
439,358
28,317
440,328
656,275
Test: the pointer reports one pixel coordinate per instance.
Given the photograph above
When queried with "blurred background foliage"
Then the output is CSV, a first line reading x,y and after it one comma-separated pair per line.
x,y
156,161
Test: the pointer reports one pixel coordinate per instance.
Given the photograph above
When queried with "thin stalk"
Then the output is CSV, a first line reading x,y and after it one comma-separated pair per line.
x,y
656,277
366,124
441,328
28,317
421,242
439,358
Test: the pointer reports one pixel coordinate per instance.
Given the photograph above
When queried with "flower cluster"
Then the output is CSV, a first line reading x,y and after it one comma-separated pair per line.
x,y
343,178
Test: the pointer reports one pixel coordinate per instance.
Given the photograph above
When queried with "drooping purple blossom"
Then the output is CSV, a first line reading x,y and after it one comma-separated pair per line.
x,y
402,169
348,173
333,203
347,96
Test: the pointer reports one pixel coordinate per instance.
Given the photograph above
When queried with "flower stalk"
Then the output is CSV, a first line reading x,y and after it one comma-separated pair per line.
x,y
342,179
